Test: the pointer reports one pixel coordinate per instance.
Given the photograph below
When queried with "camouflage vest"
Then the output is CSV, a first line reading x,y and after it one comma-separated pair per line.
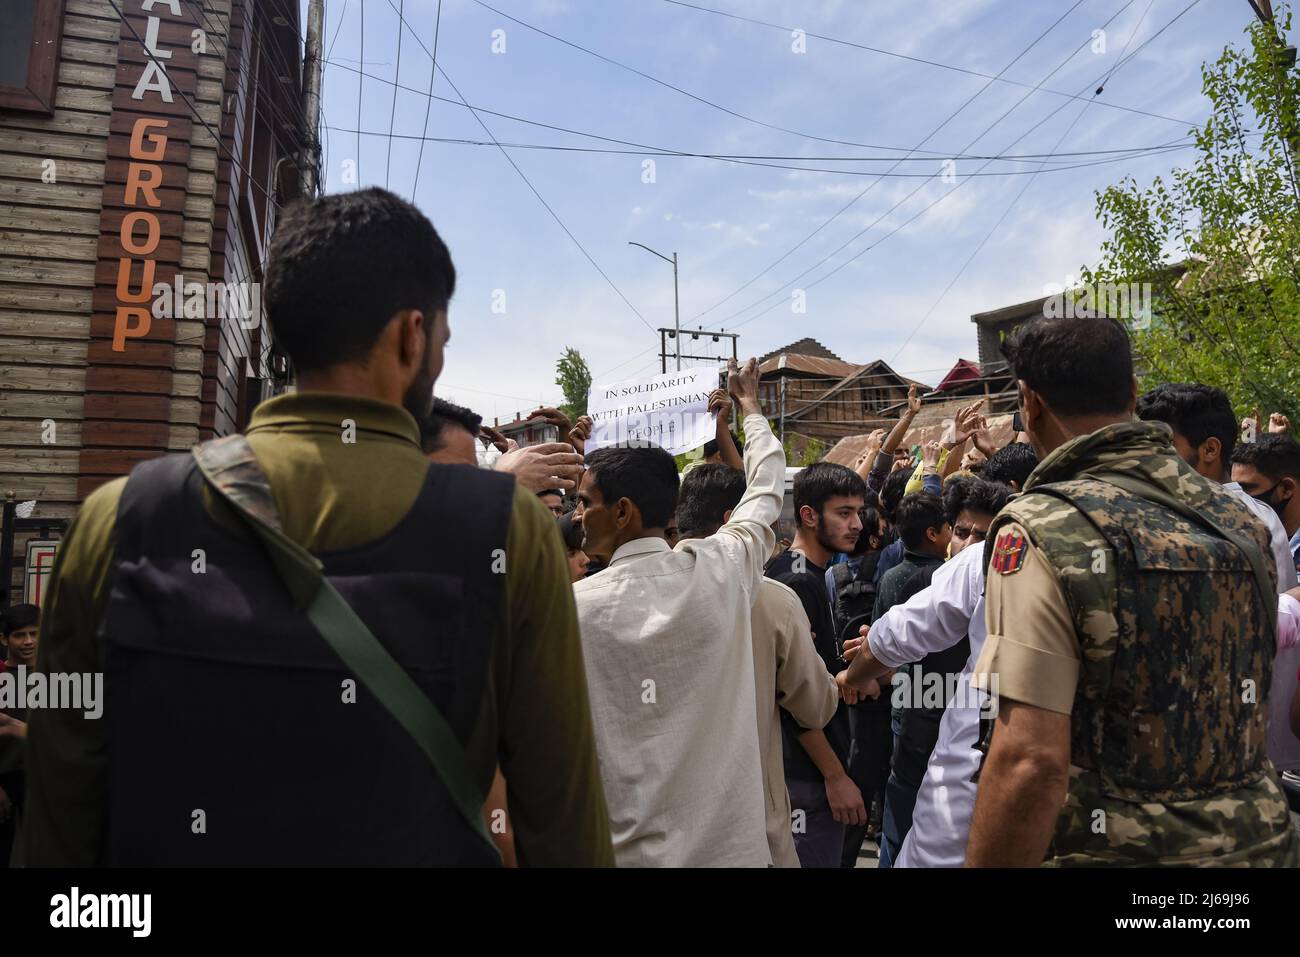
x,y
1176,627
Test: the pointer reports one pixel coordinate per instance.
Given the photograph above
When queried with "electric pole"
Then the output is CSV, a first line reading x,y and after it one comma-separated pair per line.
x,y
311,76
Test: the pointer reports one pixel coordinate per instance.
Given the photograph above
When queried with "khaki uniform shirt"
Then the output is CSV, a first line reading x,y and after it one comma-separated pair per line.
x,y
535,718
1040,665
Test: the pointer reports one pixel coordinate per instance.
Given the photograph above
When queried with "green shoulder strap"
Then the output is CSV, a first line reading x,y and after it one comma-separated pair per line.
x,y
233,473
1247,547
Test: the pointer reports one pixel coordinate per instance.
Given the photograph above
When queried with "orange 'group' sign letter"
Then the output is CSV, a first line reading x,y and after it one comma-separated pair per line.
x,y
143,177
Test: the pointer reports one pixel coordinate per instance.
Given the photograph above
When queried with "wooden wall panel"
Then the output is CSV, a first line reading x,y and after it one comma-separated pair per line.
x,y
60,245
47,235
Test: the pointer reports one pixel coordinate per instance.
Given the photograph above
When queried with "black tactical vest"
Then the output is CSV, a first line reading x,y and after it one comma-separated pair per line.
x,y
236,737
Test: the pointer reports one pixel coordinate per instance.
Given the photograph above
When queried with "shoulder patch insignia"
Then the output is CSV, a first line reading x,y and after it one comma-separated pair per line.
x,y
1009,553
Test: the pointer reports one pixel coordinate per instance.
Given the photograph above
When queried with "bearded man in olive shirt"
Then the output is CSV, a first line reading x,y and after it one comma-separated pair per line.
x,y
357,292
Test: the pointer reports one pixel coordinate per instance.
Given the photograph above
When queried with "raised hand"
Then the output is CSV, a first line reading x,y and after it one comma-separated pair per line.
x,y
553,416
742,383
502,444
538,467
580,433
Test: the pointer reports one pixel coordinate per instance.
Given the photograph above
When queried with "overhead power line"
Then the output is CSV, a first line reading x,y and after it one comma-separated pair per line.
x,y
515,166
870,186
1045,166
1016,199
671,86
915,59
934,203
647,149
428,103
392,113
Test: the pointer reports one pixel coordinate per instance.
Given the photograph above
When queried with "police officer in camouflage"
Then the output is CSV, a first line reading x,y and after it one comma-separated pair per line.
x,y
1131,612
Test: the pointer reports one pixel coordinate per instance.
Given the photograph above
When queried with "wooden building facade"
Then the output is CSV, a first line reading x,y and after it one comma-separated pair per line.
x,y
813,392
146,147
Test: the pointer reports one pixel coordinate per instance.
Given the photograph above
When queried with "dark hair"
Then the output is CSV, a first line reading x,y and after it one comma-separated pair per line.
x,y
917,513
443,414
711,446
707,492
19,616
1196,412
1011,463
1277,456
1080,366
822,481
892,492
551,491
341,266
977,495
572,534
646,475
871,517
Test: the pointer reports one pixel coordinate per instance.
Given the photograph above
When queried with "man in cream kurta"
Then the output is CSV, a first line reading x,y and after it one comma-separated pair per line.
x,y
670,668
789,674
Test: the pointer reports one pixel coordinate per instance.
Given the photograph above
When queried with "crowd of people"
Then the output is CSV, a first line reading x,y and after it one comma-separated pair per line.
x,y
339,638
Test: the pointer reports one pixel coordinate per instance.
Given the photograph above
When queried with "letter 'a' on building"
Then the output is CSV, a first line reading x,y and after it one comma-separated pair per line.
x,y
201,146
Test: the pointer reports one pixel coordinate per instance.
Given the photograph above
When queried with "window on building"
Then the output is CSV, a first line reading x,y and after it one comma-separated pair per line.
x,y
29,54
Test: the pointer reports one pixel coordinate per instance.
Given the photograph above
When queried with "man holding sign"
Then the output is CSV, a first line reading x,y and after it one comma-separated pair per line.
x,y
667,645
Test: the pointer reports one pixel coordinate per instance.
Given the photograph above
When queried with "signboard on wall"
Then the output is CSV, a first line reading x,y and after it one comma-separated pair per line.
x,y
38,569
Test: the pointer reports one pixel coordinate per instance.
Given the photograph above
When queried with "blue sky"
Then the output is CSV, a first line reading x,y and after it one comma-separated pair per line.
x,y
729,222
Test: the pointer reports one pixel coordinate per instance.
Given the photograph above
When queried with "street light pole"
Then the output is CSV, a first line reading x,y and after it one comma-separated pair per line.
x,y
677,316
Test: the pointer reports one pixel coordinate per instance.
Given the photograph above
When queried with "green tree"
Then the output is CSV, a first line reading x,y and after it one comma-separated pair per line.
x,y
1232,219
574,379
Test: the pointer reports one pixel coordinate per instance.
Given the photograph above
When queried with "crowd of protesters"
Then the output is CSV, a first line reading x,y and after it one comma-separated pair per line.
x,y
966,654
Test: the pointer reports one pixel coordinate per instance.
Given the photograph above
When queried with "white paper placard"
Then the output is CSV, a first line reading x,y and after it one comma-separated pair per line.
x,y
670,410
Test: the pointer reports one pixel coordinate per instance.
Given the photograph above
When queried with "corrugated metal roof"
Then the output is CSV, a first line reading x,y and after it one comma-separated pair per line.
x,y
809,365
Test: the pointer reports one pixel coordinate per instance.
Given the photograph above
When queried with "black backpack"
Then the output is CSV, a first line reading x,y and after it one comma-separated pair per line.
x,y
855,596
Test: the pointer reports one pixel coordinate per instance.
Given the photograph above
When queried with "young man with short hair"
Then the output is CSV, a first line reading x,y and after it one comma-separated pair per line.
x,y
828,500
666,637
1268,469
788,674
925,532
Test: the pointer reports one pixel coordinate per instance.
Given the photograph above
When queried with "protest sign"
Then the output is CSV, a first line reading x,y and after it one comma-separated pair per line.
x,y
670,410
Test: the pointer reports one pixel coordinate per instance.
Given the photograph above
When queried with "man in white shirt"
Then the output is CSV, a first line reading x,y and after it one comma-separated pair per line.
x,y
1204,433
669,657
932,620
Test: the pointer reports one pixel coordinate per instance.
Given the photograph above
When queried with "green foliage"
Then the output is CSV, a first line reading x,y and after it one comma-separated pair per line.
x,y
574,379
1233,217
812,451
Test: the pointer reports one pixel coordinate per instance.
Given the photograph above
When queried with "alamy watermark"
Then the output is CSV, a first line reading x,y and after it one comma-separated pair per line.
x,y
1128,302
22,689
936,690
240,301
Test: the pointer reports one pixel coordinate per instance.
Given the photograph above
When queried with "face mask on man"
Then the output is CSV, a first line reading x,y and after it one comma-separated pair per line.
x,y
1266,497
